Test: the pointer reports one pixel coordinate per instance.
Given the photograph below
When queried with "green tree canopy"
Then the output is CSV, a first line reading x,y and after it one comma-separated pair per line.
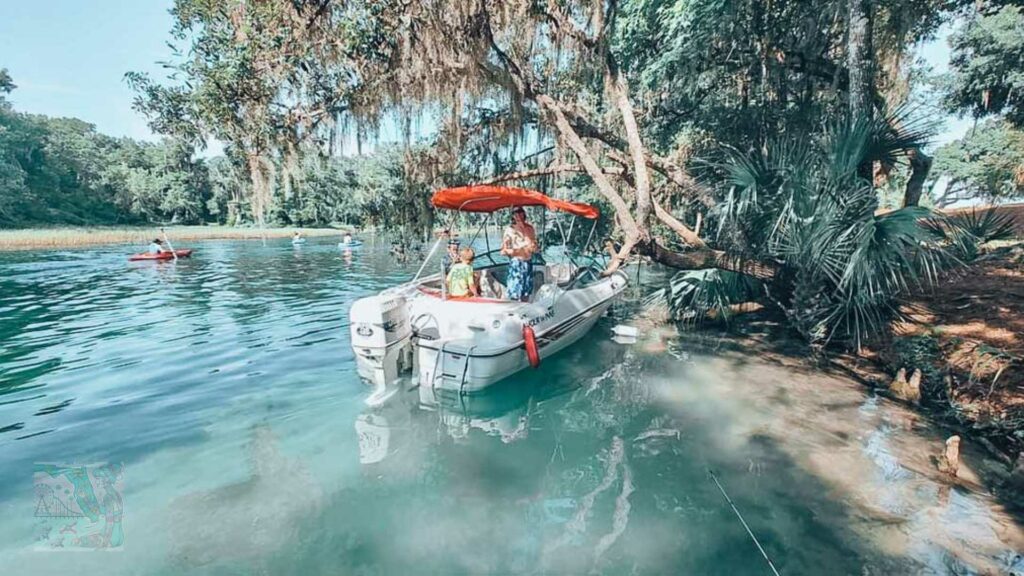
x,y
265,78
6,82
988,64
987,163
62,171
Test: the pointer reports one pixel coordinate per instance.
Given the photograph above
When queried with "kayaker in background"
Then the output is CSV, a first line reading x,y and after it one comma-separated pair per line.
x,y
519,243
297,237
398,251
461,278
156,246
347,239
452,255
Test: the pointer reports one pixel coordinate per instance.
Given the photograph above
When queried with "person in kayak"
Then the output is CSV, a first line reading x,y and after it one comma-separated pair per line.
x,y
461,278
156,247
519,243
347,239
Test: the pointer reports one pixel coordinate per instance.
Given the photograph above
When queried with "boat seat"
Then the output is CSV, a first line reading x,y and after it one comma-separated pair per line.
x,y
559,273
429,333
538,280
491,287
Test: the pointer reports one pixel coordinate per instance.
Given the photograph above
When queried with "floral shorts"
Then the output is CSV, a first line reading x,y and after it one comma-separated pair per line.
x,y
519,284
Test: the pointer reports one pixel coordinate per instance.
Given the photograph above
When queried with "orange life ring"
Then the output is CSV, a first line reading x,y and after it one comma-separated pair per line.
x,y
530,342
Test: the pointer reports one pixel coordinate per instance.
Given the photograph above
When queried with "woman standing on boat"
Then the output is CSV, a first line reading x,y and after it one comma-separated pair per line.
x,y
519,243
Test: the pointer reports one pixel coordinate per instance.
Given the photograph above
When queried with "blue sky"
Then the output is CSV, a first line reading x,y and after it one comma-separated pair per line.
x,y
936,54
69,57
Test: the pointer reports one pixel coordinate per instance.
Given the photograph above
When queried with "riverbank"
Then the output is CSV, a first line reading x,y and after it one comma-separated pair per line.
x,y
42,238
879,456
959,357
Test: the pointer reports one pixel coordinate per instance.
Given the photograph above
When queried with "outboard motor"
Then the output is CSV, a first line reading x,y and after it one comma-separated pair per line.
x,y
381,337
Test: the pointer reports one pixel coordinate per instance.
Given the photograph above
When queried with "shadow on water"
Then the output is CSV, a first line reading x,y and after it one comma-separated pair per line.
x,y
227,385
533,477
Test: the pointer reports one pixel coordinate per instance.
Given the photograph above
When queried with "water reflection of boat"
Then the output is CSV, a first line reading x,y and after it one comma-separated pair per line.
x,y
469,343
374,434
384,429
503,411
467,459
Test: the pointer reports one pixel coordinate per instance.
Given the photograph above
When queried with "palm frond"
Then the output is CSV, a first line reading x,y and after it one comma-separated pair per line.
x,y
895,134
695,295
810,207
986,225
857,144
966,232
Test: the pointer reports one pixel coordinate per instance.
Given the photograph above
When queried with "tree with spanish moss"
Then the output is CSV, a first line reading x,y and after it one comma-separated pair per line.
x,y
264,78
632,96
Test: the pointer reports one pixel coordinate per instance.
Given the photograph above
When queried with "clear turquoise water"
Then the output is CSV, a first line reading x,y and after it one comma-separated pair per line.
x,y
226,386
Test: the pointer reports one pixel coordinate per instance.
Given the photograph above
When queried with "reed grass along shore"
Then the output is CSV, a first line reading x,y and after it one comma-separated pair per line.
x,y
41,238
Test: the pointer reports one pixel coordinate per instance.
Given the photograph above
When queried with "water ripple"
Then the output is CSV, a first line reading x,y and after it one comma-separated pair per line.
x,y
101,331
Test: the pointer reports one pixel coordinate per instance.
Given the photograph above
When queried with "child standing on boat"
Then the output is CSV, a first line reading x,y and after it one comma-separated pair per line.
x,y
519,243
461,278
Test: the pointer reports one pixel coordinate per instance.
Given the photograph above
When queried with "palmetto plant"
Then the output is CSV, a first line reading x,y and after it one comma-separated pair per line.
x,y
965,232
697,294
808,207
985,225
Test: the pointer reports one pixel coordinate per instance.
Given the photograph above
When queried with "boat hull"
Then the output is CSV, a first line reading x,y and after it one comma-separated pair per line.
x,y
468,344
459,366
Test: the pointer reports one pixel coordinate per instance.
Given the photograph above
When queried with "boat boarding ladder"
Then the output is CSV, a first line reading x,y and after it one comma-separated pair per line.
x,y
462,370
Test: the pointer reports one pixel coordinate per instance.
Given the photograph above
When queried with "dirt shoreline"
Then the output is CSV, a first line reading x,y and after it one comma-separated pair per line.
x,y
988,452
45,238
965,338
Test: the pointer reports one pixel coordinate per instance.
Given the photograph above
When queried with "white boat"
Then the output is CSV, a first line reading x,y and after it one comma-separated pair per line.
x,y
467,344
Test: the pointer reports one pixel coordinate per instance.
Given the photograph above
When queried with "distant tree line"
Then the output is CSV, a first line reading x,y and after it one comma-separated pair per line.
x,y
986,82
61,171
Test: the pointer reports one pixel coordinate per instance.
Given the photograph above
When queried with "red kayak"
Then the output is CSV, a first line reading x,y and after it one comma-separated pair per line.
x,y
161,256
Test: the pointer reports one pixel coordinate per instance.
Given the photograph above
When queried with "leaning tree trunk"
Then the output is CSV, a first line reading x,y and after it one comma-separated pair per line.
x,y
635,228
616,84
920,165
859,58
260,187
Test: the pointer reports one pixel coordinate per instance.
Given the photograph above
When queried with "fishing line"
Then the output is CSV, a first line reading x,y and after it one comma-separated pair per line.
x,y
740,516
